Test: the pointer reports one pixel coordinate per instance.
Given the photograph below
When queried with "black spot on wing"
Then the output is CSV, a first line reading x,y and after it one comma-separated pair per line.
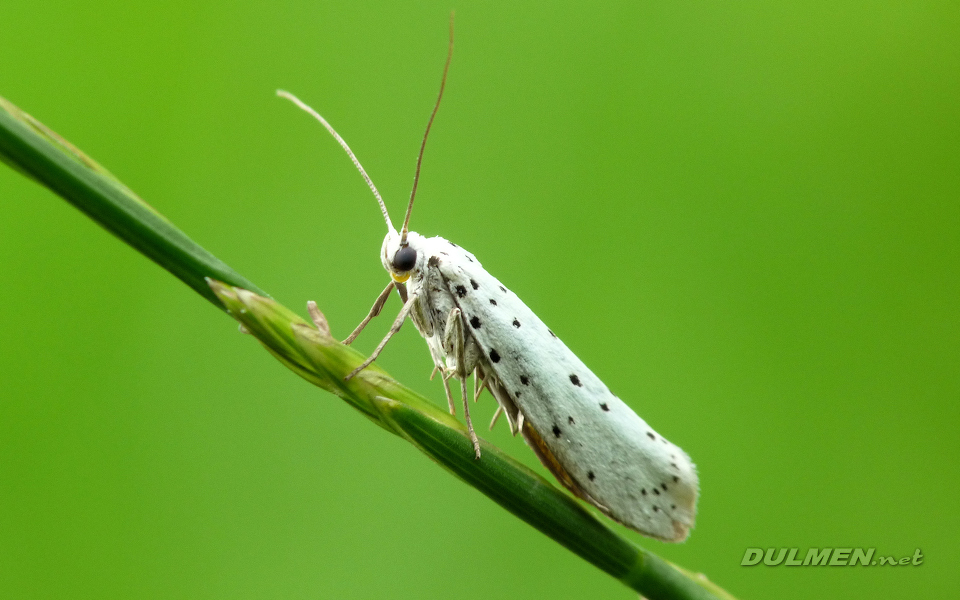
x,y
433,262
556,431
551,333
575,381
524,380
604,406
494,356
591,476
493,302
651,436
503,289
516,323
475,321
475,285
570,420
461,291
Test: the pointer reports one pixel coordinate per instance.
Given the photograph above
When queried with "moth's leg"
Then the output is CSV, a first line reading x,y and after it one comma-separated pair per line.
x,y
374,311
478,388
453,335
476,380
496,416
446,388
479,382
393,330
434,373
505,403
317,317
466,414
453,338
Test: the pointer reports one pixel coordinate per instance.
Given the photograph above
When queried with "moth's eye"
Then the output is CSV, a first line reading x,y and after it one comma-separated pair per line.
x,y
404,259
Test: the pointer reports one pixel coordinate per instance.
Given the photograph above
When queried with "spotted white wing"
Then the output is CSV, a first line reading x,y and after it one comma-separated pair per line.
x,y
595,444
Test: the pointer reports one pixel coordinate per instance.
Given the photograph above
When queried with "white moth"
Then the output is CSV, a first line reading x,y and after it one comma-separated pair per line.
x,y
588,438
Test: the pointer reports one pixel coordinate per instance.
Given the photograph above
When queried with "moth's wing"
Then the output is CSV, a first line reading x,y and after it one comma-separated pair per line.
x,y
595,444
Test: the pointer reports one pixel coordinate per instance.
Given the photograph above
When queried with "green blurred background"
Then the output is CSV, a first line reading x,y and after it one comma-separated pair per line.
x,y
744,217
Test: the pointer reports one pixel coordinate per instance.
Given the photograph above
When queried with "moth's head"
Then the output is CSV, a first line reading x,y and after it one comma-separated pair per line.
x,y
400,259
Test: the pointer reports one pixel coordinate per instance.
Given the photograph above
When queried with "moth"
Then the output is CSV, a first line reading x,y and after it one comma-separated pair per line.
x,y
591,441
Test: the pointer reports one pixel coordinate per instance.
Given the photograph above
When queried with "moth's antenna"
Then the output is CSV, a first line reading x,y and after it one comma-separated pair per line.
x,y
340,140
416,176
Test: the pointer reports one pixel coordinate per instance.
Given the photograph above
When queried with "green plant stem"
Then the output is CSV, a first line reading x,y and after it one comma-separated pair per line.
x,y
36,151
309,351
